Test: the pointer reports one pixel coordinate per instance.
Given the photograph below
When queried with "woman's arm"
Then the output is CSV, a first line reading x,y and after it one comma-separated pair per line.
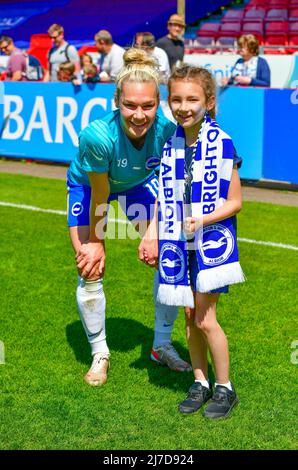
x,y
148,248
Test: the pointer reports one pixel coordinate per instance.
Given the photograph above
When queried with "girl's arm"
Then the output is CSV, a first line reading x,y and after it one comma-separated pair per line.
x,y
231,207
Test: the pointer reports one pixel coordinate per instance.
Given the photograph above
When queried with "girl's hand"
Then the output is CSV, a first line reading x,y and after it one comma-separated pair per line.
x,y
91,259
191,225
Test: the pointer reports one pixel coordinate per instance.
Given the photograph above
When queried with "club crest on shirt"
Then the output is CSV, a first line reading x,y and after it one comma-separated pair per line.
x,y
171,263
152,162
77,209
217,244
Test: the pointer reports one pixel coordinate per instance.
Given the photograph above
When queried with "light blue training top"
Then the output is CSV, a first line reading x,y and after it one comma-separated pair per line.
x,y
105,148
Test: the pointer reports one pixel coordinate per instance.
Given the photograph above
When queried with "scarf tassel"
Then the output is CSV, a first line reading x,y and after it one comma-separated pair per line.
x,y
175,295
219,276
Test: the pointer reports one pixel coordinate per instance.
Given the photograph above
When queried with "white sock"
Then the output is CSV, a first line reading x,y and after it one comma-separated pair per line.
x,y
205,383
164,319
227,385
92,307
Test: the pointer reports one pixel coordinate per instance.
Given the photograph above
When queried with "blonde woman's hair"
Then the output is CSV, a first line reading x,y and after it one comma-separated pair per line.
x,y
139,67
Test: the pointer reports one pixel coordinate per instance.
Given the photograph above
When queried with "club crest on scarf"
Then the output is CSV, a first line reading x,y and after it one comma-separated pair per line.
x,y
172,264
217,244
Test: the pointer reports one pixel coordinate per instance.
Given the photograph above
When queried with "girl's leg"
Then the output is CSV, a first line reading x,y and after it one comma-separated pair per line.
x,y
197,346
206,323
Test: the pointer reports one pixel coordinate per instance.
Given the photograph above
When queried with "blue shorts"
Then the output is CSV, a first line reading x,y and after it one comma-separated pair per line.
x,y
137,203
194,271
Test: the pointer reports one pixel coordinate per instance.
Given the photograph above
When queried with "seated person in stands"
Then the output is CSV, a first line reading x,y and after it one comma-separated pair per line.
x,y
16,66
85,59
250,69
146,41
66,72
90,74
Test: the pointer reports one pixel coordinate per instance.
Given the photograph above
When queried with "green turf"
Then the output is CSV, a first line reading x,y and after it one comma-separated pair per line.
x,y
44,403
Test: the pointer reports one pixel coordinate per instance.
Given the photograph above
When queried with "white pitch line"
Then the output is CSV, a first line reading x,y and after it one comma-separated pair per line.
x,y
122,221
277,245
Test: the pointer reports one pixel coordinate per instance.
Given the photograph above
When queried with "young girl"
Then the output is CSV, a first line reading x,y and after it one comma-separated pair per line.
x,y
199,195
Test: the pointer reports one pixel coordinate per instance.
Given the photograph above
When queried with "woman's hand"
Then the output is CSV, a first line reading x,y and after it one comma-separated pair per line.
x,y
91,259
242,80
148,251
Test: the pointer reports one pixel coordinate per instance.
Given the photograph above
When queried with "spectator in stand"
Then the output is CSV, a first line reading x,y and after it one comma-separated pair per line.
x,y
146,41
66,72
61,51
250,69
111,56
172,44
90,74
17,64
85,59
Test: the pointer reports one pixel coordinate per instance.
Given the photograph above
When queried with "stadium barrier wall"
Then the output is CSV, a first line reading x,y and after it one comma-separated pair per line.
x,y
42,121
284,68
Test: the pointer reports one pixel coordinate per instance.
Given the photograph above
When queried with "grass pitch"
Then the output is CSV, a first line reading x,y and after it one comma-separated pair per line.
x,y
44,402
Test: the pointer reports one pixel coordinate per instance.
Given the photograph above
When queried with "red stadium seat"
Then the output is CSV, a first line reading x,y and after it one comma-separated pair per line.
x,y
40,44
278,4
253,28
293,3
276,27
227,44
293,14
277,15
231,30
86,49
256,4
233,16
293,28
209,29
254,15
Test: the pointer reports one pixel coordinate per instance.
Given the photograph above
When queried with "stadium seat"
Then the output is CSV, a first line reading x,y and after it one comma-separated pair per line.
x,y
231,30
256,4
209,29
202,45
293,14
40,44
276,15
276,27
278,4
254,15
293,4
233,16
293,28
226,43
254,28
86,49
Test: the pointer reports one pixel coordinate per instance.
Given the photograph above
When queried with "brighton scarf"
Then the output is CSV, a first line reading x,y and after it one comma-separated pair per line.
x,y
215,245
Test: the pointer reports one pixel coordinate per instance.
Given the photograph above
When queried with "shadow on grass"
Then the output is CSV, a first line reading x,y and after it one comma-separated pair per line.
x,y
124,335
